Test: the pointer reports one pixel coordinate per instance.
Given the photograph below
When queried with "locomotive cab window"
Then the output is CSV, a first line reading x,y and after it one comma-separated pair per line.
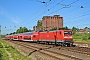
x,y
67,33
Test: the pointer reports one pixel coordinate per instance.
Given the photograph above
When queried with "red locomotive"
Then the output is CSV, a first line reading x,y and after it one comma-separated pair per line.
x,y
62,37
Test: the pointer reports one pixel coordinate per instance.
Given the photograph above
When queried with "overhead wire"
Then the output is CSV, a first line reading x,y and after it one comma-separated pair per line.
x,y
41,13
63,7
35,12
56,10
34,19
75,9
77,17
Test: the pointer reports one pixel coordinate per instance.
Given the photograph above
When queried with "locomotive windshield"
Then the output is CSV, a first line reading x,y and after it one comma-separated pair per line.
x,y
66,32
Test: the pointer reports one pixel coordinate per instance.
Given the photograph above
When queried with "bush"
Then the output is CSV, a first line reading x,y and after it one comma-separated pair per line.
x,y
89,38
1,55
84,38
1,46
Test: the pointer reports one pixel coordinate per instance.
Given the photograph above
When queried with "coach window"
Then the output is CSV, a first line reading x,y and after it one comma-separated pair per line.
x,y
20,36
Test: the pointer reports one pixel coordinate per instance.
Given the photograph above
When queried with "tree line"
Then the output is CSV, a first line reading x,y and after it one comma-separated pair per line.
x,y
24,29
39,26
21,30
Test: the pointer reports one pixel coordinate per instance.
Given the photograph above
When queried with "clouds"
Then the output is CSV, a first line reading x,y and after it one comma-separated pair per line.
x,y
13,19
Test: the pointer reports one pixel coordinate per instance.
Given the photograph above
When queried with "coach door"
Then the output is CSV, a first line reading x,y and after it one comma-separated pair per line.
x,y
35,37
20,37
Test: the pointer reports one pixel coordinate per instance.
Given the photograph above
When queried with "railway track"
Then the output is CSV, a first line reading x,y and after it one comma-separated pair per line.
x,y
46,51
81,50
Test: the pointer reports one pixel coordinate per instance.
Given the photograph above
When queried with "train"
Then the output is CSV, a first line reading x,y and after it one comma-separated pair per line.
x,y
61,37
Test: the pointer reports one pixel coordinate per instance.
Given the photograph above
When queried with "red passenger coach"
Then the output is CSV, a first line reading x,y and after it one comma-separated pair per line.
x,y
10,37
15,37
27,36
7,37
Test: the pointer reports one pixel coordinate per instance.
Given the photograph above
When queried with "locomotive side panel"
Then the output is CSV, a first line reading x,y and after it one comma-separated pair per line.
x,y
46,36
42,36
59,36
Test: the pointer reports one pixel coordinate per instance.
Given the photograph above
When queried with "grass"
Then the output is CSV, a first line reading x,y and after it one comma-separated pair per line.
x,y
3,54
80,40
84,37
16,55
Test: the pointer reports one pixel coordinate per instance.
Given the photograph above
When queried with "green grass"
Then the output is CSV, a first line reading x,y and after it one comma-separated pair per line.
x,y
16,55
80,40
3,54
84,37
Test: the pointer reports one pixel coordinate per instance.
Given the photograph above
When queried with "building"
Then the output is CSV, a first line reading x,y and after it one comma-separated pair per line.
x,y
85,30
35,28
49,22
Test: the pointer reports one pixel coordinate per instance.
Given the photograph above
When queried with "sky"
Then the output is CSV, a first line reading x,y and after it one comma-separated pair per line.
x,y
26,13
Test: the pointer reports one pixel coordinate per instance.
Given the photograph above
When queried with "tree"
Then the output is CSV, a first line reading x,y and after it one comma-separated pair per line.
x,y
74,29
39,25
21,30
66,28
55,28
86,28
25,29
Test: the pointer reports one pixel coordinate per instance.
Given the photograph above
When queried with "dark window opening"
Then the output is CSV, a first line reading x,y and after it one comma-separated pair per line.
x,y
67,33
34,35
60,33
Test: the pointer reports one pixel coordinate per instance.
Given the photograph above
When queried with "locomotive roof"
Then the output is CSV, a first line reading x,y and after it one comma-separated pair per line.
x,y
52,31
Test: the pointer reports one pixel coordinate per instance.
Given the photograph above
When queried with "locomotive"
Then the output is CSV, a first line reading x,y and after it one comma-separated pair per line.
x,y
61,37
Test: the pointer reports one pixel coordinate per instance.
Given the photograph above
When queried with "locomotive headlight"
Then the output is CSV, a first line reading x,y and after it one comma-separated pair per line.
x,y
67,36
